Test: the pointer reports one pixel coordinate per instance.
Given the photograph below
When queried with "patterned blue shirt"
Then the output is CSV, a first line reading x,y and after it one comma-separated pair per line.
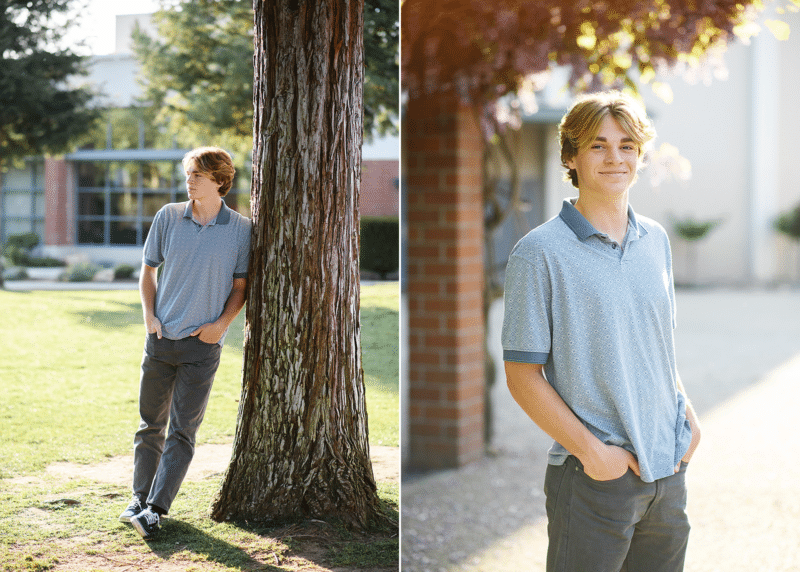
x,y
600,317
200,263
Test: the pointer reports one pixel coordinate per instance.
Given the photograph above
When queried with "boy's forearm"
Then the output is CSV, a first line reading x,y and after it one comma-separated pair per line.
x,y
694,422
545,407
147,290
234,303
690,412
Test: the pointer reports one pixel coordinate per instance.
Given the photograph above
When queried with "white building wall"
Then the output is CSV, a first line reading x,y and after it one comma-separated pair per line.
x,y
126,24
710,126
788,252
736,133
114,77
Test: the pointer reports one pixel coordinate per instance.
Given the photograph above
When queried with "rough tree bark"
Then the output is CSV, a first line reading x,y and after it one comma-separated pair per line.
x,y
301,447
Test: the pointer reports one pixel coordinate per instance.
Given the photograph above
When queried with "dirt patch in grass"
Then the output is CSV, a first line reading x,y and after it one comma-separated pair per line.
x,y
307,547
209,460
186,543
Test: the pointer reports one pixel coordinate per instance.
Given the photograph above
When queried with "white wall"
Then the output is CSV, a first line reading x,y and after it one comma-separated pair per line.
x,y
739,135
788,253
710,127
126,23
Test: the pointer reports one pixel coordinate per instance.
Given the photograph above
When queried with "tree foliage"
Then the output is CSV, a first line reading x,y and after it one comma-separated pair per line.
x,y
39,112
199,72
381,69
482,51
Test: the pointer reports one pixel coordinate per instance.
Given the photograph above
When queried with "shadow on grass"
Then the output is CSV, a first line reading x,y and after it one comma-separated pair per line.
x,y
177,537
124,314
130,313
277,549
378,332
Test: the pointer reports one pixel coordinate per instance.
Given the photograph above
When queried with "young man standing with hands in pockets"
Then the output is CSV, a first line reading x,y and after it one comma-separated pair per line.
x,y
204,246
589,355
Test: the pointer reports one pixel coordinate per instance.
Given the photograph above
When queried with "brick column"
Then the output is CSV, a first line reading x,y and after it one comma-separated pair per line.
x,y
443,212
59,197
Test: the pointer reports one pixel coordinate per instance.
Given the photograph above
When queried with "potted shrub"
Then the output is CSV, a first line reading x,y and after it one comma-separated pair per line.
x,y
788,223
692,230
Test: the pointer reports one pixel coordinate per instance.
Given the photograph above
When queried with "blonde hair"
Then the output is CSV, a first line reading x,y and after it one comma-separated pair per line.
x,y
213,162
581,123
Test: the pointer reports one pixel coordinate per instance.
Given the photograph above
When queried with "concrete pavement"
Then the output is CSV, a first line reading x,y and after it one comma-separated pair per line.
x,y
739,358
22,285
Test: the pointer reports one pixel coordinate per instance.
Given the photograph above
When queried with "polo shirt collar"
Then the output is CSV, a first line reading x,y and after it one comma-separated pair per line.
x,y
223,216
583,229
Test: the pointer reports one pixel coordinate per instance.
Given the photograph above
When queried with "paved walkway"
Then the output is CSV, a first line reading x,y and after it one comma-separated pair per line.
x,y
739,357
22,285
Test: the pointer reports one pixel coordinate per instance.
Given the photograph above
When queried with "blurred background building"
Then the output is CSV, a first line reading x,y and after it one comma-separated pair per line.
x,y
98,202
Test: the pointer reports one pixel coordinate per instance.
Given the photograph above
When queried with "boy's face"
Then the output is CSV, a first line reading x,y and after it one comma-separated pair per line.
x,y
199,186
607,166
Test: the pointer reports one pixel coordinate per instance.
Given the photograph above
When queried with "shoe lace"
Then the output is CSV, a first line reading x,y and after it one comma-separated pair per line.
x,y
151,517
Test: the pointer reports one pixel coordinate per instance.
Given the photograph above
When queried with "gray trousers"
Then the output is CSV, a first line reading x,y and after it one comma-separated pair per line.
x,y
623,525
176,381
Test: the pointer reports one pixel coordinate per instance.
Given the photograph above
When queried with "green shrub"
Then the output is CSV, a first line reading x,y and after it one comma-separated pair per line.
x,y
18,250
80,272
690,229
26,240
380,244
123,272
789,223
41,262
15,273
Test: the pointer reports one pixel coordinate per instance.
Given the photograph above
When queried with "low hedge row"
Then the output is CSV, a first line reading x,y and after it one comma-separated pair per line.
x,y
380,245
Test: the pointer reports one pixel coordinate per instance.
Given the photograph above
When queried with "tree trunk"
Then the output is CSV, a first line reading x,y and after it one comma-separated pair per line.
x,y
301,448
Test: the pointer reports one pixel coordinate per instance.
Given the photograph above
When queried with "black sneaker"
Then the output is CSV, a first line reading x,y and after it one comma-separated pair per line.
x,y
133,509
146,523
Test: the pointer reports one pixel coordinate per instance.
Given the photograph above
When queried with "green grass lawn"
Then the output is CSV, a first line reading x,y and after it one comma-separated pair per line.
x,y
69,366
69,370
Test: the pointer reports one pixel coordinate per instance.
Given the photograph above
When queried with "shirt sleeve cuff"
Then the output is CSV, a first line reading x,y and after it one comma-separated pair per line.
x,y
151,263
525,357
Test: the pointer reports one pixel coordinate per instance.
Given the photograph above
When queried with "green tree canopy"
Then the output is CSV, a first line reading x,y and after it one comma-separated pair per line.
x,y
39,112
199,71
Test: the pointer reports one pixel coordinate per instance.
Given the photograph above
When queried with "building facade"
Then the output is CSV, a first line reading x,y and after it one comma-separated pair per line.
x,y
98,204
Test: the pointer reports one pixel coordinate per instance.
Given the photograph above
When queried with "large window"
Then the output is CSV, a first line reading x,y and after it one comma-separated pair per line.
x,y
22,201
117,200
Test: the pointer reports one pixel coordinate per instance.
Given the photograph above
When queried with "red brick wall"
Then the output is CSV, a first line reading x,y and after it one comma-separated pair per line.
x,y
59,196
379,191
442,148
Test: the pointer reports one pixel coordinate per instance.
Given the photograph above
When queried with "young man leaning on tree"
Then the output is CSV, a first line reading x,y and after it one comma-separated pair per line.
x,y
204,246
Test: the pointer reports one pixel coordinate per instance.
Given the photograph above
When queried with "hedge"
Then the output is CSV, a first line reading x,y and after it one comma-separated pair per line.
x,y
380,244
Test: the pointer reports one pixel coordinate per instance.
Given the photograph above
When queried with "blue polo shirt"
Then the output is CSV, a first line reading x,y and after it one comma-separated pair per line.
x,y
600,317
200,263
